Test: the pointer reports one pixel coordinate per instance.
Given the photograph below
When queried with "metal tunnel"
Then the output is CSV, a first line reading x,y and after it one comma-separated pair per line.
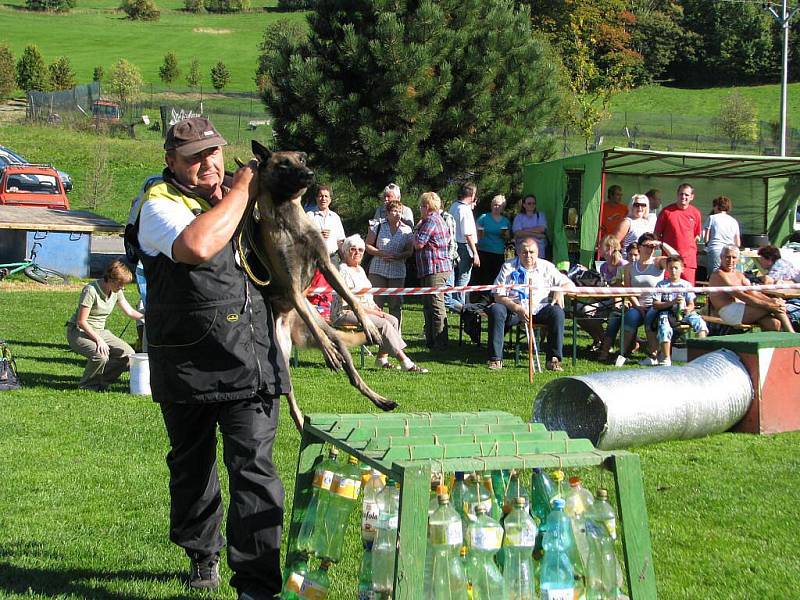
x,y
623,408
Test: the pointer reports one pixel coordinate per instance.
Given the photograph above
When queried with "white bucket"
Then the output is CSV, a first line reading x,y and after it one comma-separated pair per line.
x,y
140,374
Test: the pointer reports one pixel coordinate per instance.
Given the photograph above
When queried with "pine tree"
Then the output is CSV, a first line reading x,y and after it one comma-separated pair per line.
x,y
169,71
220,76
98,73
193,75
8,73
31,72
62,77
421,93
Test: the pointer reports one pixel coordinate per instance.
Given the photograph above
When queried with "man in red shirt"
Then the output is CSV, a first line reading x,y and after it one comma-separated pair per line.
x,y
679,225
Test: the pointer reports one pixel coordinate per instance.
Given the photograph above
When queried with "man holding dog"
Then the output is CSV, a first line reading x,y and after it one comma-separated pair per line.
x,y
214,362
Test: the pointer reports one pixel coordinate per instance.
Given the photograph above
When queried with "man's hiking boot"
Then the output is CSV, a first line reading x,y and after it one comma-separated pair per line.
x,y
204,573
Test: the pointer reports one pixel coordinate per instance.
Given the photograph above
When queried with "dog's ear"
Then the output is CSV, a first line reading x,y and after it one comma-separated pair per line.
x,y
262,153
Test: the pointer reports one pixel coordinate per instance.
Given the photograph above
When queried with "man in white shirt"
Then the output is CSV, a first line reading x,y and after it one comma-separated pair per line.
x,y
511,305
214,362
328,222
467,239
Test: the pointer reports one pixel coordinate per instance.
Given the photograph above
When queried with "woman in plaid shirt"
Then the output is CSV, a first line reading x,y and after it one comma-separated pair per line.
x,y
431,241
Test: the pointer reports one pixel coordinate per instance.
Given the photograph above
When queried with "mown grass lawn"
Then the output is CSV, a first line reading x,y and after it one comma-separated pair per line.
x,y
83,506
96,34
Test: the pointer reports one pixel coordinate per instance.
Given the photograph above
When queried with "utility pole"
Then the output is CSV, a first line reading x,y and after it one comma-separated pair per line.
x,y
783,20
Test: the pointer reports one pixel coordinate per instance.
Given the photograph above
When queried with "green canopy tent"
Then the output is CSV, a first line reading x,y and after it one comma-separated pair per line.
x,y
764,191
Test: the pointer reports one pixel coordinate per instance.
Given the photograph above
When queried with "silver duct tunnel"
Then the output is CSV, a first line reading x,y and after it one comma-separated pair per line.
x,y
623,408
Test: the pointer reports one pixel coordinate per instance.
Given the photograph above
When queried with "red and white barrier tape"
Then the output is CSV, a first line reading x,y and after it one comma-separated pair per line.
x,y
571,291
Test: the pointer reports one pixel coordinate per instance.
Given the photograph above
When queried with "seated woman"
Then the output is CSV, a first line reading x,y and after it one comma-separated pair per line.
x,y
596,309
356,279
644,270
108,356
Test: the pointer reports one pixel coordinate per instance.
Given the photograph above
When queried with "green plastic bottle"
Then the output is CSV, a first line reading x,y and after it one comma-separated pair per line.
x,y
344,493
320,494
293,581
317,583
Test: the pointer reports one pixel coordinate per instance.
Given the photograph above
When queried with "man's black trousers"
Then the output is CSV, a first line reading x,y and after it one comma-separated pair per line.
x,y
255,515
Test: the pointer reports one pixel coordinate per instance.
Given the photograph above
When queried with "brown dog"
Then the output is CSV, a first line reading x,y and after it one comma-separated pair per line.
x,y
292,248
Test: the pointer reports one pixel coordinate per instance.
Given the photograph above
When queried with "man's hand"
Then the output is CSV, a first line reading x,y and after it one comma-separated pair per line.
x,y
476,260
558,299
522,311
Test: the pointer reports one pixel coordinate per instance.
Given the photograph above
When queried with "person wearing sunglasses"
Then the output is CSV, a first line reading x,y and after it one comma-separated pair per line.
x,y
636,223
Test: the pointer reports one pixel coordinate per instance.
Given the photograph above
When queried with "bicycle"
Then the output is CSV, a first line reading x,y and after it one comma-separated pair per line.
x,y
33,270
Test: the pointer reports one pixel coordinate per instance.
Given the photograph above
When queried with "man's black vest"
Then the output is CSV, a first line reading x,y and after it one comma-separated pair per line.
x,y
211,335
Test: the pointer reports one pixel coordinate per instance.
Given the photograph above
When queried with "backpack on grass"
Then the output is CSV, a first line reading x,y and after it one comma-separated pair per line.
x,y
9,379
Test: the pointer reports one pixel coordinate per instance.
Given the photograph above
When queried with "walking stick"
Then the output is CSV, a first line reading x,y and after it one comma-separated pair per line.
x,y
529,330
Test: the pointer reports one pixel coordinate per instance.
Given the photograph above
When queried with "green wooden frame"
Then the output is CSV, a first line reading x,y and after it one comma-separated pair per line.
x,y
410,446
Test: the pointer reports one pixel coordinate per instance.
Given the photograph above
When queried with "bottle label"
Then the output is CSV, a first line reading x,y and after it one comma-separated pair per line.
x,y
450,534
346,488
369,520
611,527
323,479
563,594
521,537
311,590
294,583
485,538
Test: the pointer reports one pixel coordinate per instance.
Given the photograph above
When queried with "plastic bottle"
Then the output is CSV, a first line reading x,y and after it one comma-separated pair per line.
x,y
603,513
495,511
557,578
369,506
500,482
516,489
458,493
601,569
318,505
344,495
476,494
317,583
518,544
384,549
543,492
576,505
484,538
466,565
365,591
293,581
446,580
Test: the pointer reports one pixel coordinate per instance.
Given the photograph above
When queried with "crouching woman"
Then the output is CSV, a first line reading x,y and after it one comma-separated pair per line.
x,y
107,355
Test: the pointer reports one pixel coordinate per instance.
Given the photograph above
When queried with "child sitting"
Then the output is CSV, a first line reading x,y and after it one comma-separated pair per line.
x,y
678,305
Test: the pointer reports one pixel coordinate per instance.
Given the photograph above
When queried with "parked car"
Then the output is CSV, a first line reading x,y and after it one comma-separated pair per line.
x,y
9,157
32,185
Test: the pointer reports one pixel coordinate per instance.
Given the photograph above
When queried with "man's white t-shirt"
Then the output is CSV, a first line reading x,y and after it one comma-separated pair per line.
x,y
465,222
333,223
161,221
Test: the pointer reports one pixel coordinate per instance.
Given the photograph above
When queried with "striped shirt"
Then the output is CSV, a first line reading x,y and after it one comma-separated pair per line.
x,y
433,257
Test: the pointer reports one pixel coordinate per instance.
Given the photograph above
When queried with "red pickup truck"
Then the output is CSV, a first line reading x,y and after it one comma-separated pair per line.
x,y
32,185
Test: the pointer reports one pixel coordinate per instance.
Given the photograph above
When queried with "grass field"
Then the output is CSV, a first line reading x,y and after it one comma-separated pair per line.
x,y
83,508
96,34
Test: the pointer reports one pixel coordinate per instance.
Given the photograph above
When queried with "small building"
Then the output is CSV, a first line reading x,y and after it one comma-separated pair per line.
x,y
570,191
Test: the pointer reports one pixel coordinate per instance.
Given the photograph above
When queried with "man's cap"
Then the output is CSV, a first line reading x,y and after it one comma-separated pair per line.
x,y
193,135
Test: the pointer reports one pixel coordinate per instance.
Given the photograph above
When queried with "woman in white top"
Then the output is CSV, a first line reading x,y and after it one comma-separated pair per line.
x,y
635,224
389,243
644,270
356,279
721,230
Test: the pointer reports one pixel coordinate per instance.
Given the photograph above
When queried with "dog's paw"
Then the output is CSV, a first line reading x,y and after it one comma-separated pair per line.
x,y
385,403
372,334
332,357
